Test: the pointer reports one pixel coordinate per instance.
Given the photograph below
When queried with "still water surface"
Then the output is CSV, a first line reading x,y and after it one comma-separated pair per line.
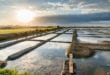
x,y
49,58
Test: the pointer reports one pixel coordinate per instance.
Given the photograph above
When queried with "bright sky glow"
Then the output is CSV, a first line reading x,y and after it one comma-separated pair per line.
x,y
36,8
24,15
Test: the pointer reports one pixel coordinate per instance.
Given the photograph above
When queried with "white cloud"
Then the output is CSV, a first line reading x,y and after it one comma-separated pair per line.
x,y
64,8
92,6
82,6
44,12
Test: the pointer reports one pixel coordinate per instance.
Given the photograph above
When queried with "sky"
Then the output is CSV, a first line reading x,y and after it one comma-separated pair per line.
x,y
8,8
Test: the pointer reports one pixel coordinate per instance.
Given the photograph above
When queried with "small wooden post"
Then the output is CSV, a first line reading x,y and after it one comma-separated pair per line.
x,y
71,66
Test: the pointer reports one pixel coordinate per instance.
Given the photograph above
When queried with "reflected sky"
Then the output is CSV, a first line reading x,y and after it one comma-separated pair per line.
x,y
45,59
60,31
11,41
89,66
70,31
92,39
88,39
97,36
49,58
63,37
92,36
89,32
4,53
44,37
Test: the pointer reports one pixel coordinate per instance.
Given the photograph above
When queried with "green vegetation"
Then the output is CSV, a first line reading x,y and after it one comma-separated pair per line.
x,y
22,30
14,72
8,31
13,33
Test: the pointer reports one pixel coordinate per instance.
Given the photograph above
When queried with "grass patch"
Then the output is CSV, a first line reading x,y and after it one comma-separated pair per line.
x,y
22,30
8,31
14,72
7,34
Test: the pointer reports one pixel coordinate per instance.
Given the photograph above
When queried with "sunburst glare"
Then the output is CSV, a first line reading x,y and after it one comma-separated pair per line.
x,y
24,15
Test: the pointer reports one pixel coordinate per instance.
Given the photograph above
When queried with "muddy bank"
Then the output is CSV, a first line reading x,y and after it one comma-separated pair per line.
x,y
3,64
80,52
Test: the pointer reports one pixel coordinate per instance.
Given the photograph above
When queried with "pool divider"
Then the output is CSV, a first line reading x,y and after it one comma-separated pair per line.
x,y
27,50
80,50
52,41
69,66
17,41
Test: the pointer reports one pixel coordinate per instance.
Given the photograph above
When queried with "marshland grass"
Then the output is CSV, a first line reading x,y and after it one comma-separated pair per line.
x,y
21,30
8,31
13,33
14,72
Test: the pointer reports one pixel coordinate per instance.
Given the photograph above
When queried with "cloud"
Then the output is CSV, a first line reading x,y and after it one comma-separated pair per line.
x,y
95,5
54,7
62,6
65,19
82,6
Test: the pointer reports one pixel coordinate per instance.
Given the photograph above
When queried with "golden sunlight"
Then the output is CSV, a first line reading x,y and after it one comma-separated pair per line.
x,y
24,15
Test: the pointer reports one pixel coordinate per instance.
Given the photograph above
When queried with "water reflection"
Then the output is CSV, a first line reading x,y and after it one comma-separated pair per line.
x,y
4,53
44,37
89,66
100,62
63,37
60,31
49,58
46,59
11,41
92,39
70,31
88,39
88,32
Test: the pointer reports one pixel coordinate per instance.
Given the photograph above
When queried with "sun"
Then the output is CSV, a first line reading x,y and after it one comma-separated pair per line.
x,y
24,15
